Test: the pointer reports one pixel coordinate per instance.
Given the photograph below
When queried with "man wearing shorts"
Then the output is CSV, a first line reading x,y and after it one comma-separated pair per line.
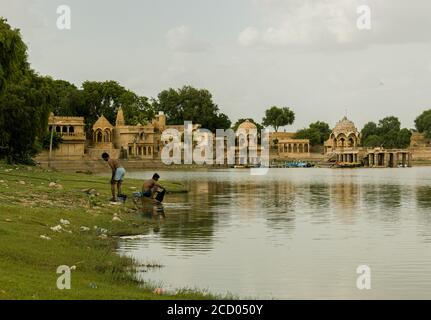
x,y
118,173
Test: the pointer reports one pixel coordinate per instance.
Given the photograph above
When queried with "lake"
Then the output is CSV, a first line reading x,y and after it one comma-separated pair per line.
x,y
293,233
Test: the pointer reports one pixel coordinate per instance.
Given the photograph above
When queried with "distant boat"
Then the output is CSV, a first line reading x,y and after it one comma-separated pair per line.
x,y
347,165
298,164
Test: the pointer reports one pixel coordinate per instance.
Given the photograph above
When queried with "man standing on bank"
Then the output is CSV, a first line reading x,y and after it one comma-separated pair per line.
x,y
118,173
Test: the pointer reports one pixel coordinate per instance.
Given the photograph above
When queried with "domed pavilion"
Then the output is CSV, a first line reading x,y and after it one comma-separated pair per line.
x,y
343,136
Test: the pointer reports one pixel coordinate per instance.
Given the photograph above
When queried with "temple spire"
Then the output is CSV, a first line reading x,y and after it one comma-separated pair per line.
x,y
120,117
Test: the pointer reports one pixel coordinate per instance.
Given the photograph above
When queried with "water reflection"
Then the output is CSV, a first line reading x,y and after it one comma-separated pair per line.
x,y
345,197
292,232
423,200
423,197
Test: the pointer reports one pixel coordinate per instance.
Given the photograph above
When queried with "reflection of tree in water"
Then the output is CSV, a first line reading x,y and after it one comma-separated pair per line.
x,y
315,200
319,197
423,203
382,201
278,203
390,202
191,227
370,196
423,197
246,198
390,195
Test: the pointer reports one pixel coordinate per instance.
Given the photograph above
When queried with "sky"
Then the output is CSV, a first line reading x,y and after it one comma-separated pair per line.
x,y
308,55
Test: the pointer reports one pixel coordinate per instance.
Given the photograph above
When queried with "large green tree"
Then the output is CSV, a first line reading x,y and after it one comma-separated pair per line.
x,y
387,133
24,111
13,54
191,104
423,123
25,100
277,117
317,132
68,100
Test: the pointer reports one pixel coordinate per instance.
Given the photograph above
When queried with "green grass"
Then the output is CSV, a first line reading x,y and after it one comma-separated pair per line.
x,y
28,263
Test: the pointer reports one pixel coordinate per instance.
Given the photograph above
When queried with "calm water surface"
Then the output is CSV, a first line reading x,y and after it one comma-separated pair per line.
x,y
293,233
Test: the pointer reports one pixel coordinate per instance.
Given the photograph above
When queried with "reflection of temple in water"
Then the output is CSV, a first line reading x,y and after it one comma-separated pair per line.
x,y
345,196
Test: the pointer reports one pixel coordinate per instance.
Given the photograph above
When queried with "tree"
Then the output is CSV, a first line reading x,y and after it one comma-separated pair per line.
x,y
323,129
404,137
25,100
387,134
317,132
423,123
67,99
56,141
101,98
105,98
13,54
369,129
309,133
138,111
191,104
278,117
372,141
24,111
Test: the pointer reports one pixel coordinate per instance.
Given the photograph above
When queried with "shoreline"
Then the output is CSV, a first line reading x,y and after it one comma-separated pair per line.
x,y
98,166
47,220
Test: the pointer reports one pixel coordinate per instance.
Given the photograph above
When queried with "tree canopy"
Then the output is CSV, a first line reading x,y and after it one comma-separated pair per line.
x,y
423,123
188,103
387,133
13,54
25,100
100,98
277,117
317,132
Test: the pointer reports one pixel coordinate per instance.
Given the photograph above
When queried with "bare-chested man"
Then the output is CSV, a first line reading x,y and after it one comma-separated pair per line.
x,y
150,186
118,173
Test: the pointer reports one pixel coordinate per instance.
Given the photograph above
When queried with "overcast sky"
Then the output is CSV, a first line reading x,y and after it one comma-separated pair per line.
x,y
251,54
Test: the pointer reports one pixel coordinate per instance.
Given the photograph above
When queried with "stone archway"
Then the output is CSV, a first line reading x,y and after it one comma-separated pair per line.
x,y
98,136
107,135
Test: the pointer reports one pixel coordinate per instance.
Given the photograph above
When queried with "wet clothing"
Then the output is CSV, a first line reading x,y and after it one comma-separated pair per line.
x,y
119,174
147,194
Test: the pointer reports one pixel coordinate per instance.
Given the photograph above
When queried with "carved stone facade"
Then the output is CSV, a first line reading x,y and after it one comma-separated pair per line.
x,y
123,141
344,148
71,129
344,136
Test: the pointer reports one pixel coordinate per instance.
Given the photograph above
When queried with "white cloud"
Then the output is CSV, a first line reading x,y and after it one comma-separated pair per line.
x,y
332,23
248,37
304,23
182,39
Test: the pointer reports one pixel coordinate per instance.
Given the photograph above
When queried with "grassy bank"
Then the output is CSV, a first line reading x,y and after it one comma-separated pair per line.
x,y
30,251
